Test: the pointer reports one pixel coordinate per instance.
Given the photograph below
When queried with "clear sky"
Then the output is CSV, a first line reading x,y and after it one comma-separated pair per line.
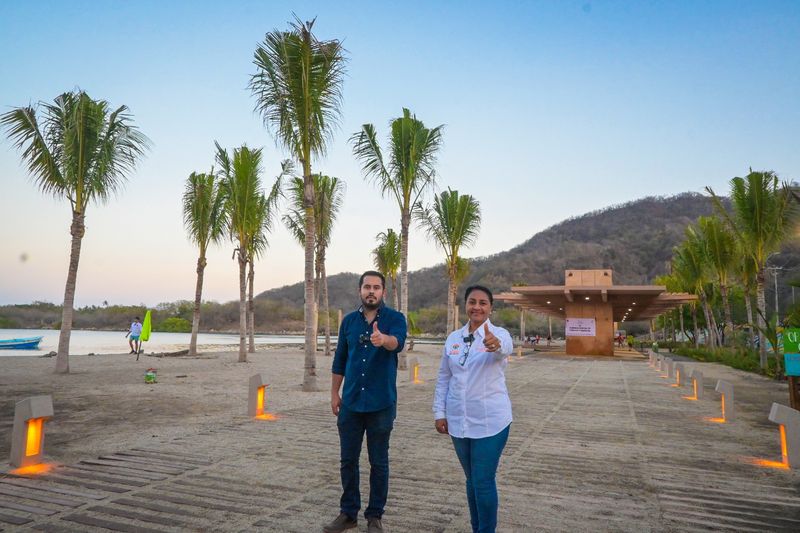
x,y
551,109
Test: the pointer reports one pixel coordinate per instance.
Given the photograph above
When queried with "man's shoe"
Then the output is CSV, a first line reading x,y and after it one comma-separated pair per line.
x,y
342,523
374,525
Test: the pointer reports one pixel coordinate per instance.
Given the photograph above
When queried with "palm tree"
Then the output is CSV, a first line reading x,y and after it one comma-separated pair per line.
x,y
453,222
410,172
241,181
298,90
260,226
386,257
688,267
329,198
763,214
720,253
82,152
204,219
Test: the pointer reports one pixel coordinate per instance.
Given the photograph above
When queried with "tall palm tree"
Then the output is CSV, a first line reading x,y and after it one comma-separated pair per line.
x,y
260,226
453,221
409,174
688,267
328,200
386,257
241,181
298,90
82,152
763,213
204,219
720,251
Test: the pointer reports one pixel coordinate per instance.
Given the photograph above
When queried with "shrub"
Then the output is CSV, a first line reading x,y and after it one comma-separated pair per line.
x,y
739,358
175,325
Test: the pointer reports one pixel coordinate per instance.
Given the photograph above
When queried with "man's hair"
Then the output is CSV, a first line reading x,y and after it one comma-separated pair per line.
x,y
478,288
136,318
372,273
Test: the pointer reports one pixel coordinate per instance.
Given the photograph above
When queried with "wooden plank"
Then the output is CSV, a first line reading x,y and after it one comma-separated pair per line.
x,y
37,496
197,503
135,467
194,456
164,457
127,473
247,491
87,484
100,476
141,516
26,508
12,519
56,528
108,524
210,493
126,459
154,507
31,484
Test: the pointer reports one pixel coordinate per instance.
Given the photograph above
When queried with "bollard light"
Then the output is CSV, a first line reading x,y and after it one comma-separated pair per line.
x,y
728,412
257,399
788,421
697,385
27,435
413,371
679,374
667,365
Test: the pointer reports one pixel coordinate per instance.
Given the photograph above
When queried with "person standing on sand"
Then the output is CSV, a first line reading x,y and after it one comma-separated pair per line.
x,y
471,403
134,332
366,362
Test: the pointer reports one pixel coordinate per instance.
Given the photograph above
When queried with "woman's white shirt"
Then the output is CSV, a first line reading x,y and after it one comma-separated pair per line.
x,y
473,397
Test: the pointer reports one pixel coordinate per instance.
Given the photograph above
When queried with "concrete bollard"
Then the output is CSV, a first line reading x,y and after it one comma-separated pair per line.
x,y
666,366
680,374
697,384
652,359
789,420
413,370
27,435
256,396
726,390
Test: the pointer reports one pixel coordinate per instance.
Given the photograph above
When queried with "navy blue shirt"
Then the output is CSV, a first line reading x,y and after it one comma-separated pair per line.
x,y
370,373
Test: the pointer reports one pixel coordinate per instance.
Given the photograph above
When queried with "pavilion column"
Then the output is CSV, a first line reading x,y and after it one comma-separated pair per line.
x,y
522,324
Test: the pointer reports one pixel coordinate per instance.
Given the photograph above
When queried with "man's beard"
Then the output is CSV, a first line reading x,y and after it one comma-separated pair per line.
x,y
370,306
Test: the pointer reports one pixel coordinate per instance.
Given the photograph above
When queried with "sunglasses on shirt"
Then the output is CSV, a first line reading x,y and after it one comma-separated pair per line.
x,y
467,345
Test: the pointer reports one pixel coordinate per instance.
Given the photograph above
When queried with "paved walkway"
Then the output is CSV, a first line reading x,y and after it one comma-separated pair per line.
x,y
596,445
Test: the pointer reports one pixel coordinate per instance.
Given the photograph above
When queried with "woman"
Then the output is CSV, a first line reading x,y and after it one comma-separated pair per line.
x,y
471,403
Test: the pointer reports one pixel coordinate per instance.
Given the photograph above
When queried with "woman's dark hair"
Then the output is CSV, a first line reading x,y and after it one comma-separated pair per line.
x,y
478,288
372,273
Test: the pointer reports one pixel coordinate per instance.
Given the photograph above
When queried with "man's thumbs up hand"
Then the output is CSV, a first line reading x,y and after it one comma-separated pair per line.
x,y
491,342
377,338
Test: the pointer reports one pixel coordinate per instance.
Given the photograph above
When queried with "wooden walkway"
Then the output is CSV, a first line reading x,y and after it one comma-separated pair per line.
x,y
596,445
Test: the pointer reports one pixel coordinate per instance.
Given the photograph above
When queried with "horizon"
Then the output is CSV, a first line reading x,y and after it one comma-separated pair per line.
x,y
550,110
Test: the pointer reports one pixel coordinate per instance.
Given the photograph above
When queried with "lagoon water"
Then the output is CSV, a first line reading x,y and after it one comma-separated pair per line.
x,y
105,342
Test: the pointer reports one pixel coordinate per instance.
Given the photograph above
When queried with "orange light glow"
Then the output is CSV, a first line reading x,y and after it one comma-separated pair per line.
x,y
32,470
714,420
723,407
692,398
784,453
767,463
674,385
260,401
267,416
33,443
416,375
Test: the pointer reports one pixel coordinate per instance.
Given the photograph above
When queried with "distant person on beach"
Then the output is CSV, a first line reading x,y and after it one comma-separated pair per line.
x,y
471,403
134,333
366,362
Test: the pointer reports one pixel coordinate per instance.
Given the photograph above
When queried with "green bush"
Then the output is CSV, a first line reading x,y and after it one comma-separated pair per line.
x,y
7,323
739,358
175,325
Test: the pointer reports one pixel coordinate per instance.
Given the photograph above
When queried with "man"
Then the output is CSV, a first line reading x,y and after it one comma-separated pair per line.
x,y
135,331
366,361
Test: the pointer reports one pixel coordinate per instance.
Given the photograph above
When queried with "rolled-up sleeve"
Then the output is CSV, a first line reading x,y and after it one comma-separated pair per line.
x,y
399,330
340,357
442,386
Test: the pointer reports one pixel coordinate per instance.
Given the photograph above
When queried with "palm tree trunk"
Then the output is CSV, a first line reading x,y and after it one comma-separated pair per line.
x,y
405,222
726,306
696,330
450,301
251,314
198,295
761,306
310,363
326,307
77,229
395,295
680,316
748,304
317,289
709,329
242,305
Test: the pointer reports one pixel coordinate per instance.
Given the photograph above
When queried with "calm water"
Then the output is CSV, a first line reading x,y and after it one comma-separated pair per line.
x,y
84,342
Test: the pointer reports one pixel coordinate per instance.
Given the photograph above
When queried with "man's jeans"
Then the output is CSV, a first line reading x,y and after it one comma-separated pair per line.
x,y
479,459
378,426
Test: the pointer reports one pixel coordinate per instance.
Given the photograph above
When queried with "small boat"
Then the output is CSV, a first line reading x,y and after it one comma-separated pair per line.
x,y
29,343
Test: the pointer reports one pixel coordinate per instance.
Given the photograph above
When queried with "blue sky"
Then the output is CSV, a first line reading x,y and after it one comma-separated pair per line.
x,y
551,109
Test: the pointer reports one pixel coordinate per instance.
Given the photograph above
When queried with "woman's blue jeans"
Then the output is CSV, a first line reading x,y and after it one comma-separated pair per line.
x,y
479,459
352,426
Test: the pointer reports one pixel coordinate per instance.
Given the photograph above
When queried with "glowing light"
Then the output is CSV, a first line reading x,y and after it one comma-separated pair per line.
x,y
784,453
714,420
260,400
417,381
692,398
267,416
32,470
694,386
33,443
586,298
767,463
548,302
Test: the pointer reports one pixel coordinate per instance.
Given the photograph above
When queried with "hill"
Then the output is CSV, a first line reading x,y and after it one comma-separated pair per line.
x,y
634,239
